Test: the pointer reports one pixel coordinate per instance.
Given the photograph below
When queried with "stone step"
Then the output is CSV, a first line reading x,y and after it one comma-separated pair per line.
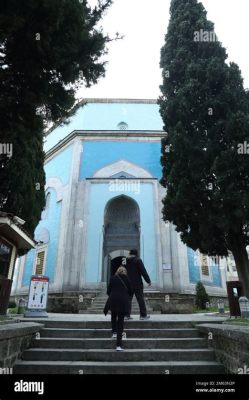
x,y
36,354
133,313
152,347
107,343
152,367
105,333
104,324
100,311
100,308
103,300
102,303
135,310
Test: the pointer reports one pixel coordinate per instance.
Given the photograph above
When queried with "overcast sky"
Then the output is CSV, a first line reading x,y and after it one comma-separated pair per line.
x,y
133,63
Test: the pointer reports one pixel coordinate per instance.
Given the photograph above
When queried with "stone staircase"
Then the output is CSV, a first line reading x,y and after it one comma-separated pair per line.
x,y
86,347
98,304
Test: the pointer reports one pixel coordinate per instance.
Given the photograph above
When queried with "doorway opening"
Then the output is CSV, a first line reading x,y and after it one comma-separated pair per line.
x,y
121,232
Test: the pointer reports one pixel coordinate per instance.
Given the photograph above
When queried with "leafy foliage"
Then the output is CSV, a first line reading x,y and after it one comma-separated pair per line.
x,y
201,296
47,49
205,110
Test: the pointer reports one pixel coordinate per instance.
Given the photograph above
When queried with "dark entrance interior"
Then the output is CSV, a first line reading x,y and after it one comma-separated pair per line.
x,y
115,263
234,291
121,230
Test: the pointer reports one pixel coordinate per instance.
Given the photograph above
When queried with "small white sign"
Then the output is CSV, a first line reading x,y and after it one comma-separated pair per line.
x,y
166,266
38,293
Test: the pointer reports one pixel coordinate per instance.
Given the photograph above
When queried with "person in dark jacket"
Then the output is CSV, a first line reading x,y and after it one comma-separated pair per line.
x,y
119,291
136,270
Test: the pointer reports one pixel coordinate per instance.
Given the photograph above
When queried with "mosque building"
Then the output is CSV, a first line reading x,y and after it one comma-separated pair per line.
x,y
103,197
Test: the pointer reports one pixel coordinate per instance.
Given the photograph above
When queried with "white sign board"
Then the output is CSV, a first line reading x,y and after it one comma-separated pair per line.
x,y
166,266
38,293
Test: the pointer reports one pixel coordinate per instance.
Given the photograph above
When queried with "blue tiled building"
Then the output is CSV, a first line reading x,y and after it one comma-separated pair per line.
x,y
103,197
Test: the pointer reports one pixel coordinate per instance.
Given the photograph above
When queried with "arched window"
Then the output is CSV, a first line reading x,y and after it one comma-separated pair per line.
x,y
123,126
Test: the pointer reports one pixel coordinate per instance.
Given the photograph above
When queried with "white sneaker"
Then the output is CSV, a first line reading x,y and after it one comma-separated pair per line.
x,y
119,348
114,336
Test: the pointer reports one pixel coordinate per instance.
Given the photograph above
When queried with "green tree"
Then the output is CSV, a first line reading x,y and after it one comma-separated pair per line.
x,y
205,109
201,296
47,49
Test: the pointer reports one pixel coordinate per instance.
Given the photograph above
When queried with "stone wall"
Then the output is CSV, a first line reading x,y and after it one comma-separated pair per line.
x,y
71,302
67,302
214,301
170,303
74,302
231,345
14,339
164,302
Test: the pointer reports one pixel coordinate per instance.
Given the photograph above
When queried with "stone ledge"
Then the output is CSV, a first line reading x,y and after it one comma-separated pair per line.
x,y
13,330
15,338
239,333
230,344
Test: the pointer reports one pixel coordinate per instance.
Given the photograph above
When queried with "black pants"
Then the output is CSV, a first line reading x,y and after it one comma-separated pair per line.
x,y
118,326
140,299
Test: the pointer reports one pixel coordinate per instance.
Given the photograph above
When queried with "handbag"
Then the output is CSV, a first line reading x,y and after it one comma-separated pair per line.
x,y
107,306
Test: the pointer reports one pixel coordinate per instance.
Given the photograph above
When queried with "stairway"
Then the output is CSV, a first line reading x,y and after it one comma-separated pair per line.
x,y
98,304
86,347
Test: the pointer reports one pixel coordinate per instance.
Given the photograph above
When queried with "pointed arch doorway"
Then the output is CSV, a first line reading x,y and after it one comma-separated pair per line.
x,y
121,232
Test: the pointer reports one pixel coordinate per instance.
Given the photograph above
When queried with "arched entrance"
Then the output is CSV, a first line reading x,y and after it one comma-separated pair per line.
x,y
121,231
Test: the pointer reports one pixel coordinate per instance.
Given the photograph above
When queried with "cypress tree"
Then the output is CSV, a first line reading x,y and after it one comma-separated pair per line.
x,y
202,297
48,48
205,110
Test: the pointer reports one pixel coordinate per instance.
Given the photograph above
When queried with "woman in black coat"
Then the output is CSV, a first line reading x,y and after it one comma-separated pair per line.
x,y
119,291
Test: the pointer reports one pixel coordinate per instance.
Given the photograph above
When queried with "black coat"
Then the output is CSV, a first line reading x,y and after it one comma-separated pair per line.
x,y
136,270
119,291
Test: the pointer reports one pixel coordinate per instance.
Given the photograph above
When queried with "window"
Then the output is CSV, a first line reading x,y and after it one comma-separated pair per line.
x,y
215,260
204,265
123,126
40,261
122,175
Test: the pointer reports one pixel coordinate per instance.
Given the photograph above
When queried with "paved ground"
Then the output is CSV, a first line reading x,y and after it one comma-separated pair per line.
x,y
155,317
